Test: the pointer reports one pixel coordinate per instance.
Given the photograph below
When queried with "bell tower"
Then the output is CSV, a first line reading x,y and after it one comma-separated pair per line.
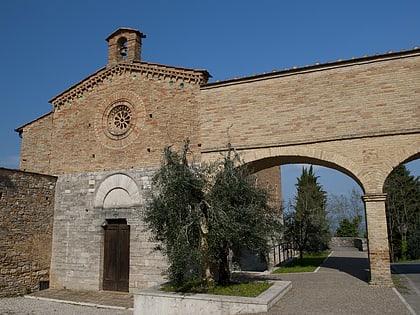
x,y
124,45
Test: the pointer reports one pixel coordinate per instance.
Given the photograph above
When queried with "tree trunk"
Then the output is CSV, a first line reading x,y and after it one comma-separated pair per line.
x,y
404,246
223,269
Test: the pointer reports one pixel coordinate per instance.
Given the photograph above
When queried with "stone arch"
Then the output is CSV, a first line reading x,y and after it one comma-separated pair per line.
x,y
405,156
117,191
259,159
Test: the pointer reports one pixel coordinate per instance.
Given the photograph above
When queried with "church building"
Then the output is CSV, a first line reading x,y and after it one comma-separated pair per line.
x,y
103,140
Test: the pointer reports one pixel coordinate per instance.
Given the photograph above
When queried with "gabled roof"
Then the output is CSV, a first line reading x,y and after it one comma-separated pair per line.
x,y
151,69
125,29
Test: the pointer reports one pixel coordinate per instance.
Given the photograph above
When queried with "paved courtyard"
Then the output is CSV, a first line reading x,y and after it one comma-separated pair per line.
x,y
338,287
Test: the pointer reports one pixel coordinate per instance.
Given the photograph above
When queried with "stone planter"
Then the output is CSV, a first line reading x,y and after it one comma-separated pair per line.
x,y
152,301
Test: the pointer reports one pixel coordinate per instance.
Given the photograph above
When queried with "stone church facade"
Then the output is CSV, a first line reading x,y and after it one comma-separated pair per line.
x,y
103,140
105,135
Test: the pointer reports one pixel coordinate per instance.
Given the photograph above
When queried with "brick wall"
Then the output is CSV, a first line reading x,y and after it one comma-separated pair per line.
x,y
361,98
26,223
36,145
270,178
164,112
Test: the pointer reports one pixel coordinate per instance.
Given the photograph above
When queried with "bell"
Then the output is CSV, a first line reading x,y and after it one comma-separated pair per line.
x,y
123,51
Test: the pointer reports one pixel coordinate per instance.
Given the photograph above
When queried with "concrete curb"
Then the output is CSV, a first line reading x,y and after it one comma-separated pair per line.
x,y
152,301
410,309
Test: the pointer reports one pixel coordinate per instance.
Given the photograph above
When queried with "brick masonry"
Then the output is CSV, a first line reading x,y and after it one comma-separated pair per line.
x,y
26,224
359,116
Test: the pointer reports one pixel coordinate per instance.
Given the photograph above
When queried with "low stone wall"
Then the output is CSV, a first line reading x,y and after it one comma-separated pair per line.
x,y
26,221
342,242
357,242
152,301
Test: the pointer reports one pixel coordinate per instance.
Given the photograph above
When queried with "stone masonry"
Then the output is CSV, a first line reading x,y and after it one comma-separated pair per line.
x,y
80,214
26,223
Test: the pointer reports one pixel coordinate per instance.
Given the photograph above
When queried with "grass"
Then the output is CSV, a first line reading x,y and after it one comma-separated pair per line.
x,y
308,263
396,279
405,261
251,289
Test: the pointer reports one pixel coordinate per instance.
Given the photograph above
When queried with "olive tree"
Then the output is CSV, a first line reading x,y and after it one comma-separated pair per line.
x,y
200,214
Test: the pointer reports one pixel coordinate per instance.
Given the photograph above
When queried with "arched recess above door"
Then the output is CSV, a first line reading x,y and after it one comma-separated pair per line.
x,y
117,191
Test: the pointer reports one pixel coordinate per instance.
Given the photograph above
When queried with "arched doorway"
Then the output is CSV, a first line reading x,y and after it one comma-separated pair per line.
x,y
117,197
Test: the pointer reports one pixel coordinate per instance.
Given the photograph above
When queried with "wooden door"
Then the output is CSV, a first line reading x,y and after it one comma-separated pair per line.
x,y
116,255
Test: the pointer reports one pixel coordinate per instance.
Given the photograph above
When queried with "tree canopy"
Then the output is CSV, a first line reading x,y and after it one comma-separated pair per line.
x,y
199,214
349,228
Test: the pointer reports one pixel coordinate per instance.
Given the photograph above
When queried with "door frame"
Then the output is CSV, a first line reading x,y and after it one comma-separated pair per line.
x,y
121,246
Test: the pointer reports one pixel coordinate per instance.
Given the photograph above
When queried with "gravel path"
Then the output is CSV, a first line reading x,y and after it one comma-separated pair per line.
x,y
26,306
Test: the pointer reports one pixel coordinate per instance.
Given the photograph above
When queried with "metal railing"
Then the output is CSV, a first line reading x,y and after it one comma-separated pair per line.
x,y
280,253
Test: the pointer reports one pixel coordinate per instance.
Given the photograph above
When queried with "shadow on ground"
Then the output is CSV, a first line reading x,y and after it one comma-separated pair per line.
x,y
356,267
405,268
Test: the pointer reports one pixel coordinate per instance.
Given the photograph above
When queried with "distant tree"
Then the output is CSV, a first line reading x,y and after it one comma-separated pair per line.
x,y
349,228
200,214
307,225
350,207
402,209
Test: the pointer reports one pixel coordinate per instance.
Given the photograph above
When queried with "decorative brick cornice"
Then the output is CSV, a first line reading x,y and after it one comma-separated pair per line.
x,y
150,70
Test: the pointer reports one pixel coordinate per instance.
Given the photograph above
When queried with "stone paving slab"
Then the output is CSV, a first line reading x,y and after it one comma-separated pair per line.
x,y
109,299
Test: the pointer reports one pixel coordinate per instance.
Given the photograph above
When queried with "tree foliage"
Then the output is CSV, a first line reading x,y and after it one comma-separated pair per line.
x,y
200,214
349,228
307,226
403,210
174,213
413,247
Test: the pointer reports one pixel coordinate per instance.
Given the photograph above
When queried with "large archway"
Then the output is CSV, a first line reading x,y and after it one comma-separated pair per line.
x,y
374,199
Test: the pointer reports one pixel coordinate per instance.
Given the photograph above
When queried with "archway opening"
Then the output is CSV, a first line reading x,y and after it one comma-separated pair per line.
x,y
402,188
343,193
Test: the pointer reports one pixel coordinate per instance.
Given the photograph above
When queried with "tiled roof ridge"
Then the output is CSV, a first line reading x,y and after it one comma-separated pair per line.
x,y
316,64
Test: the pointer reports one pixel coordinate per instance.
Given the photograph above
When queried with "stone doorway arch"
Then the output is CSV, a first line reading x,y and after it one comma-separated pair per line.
x,y
116,197
117,191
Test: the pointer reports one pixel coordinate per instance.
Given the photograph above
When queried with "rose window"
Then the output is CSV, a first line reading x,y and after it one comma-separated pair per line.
x,y
119,120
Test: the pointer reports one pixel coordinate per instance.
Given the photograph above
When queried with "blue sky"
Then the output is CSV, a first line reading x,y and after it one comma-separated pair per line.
x,y
48,45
